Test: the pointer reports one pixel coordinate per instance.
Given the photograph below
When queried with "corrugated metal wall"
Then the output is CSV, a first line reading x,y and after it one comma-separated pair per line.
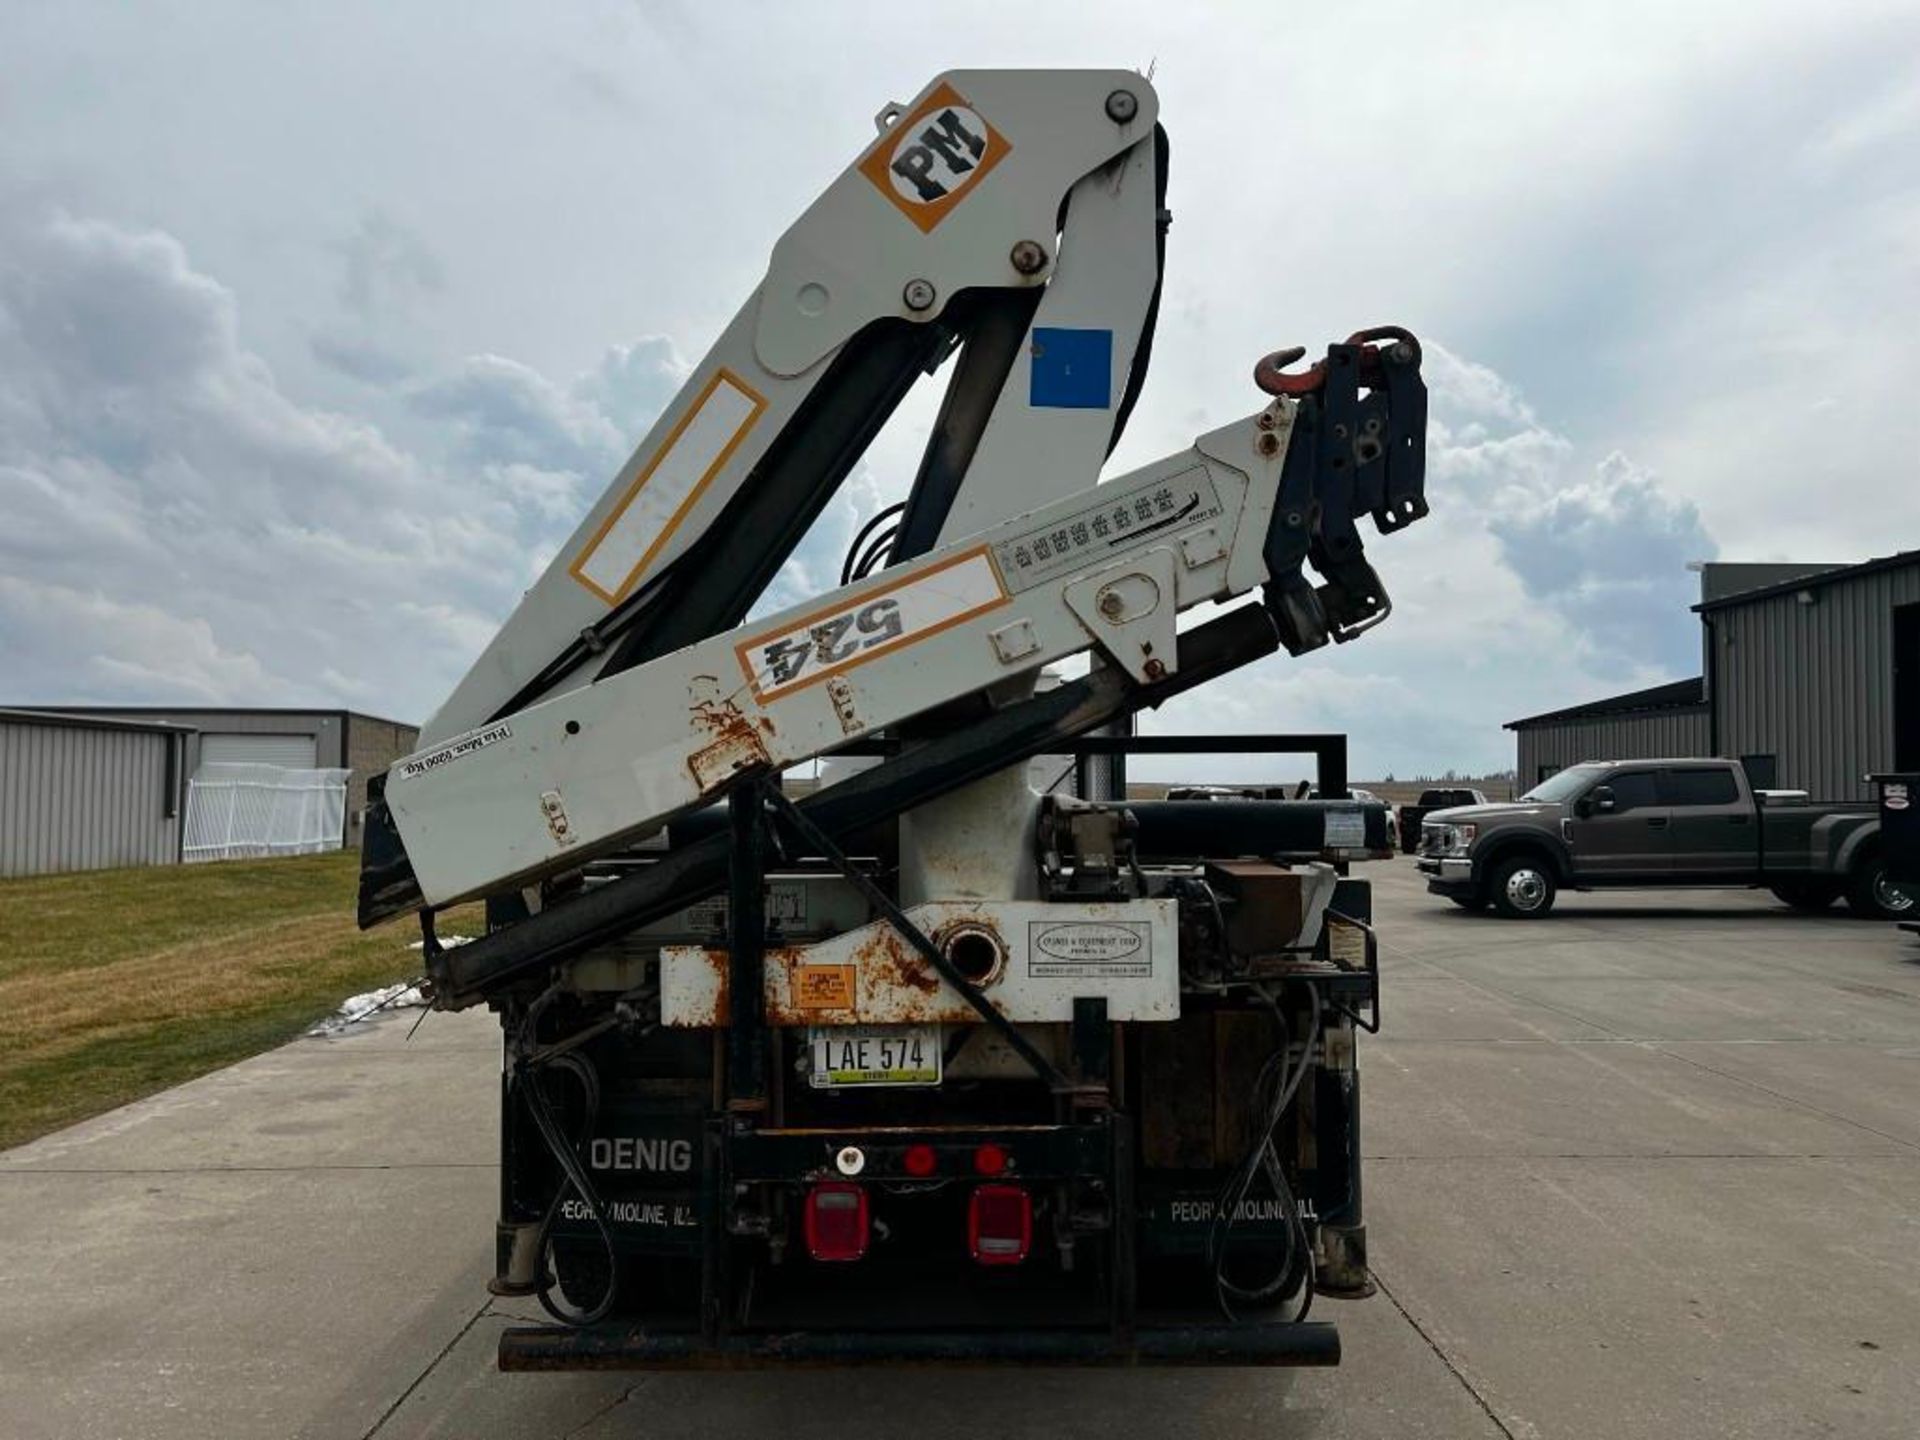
x,y
1647,735
83,798
326,727
1813,684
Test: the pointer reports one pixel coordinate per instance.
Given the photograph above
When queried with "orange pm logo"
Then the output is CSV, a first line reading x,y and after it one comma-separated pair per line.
x,y
930,158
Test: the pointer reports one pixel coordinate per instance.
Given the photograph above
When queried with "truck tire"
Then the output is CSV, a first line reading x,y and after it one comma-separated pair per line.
x,y
1521,887
1873,897
1812,896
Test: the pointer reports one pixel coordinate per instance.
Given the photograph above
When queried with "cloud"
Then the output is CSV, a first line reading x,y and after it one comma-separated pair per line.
x,y
1604,547
1536,580
1609,553
181,527
139,653
385,266
504,411
361,360
184,527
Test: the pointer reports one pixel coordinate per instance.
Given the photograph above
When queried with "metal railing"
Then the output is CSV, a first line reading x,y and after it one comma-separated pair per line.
x,y
237,811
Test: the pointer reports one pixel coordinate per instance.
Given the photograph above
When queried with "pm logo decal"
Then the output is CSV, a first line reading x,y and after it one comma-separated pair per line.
x,y
930,158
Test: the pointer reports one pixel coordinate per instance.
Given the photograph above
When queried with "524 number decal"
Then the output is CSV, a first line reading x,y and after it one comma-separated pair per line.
x,y
808,648
832,641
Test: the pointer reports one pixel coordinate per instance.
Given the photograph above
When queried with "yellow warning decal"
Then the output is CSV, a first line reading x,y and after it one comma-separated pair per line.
x,y
822,987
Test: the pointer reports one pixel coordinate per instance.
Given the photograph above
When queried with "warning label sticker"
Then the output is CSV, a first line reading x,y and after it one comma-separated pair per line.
x,y
468,744
1118,519
786,907
822,987
1346,830
1079,949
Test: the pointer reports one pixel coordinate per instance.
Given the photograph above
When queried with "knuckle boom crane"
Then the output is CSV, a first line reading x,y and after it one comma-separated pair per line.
x,y
923,1064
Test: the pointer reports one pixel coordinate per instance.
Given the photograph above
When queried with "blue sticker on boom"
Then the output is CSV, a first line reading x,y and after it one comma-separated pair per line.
x,y
1072,370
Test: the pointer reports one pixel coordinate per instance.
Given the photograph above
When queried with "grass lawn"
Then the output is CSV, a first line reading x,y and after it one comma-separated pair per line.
x,y
117,983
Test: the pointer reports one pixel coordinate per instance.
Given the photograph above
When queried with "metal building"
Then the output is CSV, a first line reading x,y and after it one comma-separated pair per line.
x,y
1812,680
1664,720
1815,681
88,792
294,739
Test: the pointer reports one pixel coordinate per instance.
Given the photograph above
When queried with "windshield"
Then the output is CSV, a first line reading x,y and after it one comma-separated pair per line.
x,y
1556,788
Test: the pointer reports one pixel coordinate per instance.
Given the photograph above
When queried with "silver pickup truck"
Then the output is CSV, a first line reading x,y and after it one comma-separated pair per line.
x,y
1644,823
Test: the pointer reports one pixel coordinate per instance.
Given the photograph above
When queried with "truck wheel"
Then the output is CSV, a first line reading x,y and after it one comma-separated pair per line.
x,y
1809,895
1522,888
1872,895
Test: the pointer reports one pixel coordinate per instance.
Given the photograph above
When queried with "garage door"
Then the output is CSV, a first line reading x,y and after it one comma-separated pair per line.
x,y
291,752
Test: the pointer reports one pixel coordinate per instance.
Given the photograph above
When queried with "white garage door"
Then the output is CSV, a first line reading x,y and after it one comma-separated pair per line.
x,y
290,752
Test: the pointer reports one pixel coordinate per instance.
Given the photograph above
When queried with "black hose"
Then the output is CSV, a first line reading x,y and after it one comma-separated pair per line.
x,y
1279,1086
576,1176
849,566
879,550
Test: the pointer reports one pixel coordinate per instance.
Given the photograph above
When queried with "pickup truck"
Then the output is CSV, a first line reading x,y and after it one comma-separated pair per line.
x,y
1430,801
1647,823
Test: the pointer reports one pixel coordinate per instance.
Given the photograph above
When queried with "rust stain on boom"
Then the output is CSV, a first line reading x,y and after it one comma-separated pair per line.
x,y
737,744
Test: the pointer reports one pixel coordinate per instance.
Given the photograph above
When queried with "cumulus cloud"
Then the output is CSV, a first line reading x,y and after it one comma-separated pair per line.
x,y
181,528
1609,552
1603,546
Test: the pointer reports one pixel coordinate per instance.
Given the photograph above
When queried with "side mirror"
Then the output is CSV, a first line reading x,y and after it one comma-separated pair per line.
x,y
1601,799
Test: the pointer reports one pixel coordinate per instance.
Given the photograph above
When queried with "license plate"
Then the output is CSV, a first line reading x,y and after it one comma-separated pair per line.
x,y
846,1055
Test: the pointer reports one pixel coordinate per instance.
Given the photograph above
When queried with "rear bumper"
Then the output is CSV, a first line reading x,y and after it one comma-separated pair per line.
x,y
554,1347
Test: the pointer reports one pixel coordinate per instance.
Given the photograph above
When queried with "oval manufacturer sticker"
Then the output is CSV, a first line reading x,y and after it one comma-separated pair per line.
x,y
1089,941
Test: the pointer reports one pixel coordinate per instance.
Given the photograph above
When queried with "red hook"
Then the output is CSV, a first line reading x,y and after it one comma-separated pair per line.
x,y
1271,375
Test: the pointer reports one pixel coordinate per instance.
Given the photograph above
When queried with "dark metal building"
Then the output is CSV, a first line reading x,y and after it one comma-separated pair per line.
x,y
1816,680
1812,679
1667,719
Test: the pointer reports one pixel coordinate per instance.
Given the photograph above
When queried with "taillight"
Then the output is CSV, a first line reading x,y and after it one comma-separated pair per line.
x,y
990,1160
836,1221
999,1224
919,1161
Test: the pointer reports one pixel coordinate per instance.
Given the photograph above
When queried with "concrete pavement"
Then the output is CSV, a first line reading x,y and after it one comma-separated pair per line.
x,y
1648,1168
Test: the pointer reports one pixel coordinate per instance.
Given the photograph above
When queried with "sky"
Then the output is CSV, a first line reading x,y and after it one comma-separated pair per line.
x,y
319,331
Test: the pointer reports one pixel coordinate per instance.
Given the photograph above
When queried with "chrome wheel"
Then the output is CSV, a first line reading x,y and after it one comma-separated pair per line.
x,y
1526,889
1892,898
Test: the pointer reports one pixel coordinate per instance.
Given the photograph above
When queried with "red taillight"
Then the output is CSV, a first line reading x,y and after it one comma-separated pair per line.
x,y
919,1161
999,1224
990,1160
836,1221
